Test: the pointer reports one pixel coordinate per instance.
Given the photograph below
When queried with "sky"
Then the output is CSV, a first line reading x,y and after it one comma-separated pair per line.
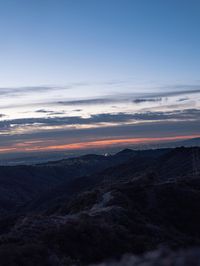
x,y
76,74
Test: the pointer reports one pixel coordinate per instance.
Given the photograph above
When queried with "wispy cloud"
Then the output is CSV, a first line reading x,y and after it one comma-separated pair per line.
x,y
24,90
188,114
88,101
143,100
49,112
183,99
49,95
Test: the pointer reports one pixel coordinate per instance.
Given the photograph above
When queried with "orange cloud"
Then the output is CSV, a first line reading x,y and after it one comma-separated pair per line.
x,y
31,146
114,142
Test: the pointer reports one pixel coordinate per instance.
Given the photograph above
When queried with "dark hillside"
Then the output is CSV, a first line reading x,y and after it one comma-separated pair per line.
x,y
136,202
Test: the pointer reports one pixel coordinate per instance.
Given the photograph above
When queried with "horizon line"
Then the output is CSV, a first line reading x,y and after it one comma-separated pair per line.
x,y
102,143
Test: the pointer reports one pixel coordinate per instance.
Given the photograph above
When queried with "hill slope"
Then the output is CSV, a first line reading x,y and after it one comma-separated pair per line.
x,y
133,202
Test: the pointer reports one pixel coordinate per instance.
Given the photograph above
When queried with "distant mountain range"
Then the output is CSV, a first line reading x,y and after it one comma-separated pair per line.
x,y
94,208
42,157
195,142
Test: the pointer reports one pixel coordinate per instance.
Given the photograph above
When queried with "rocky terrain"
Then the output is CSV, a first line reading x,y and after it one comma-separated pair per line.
x,y
96,209
159,257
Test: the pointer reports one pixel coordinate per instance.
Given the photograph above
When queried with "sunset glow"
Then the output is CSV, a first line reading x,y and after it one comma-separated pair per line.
x,y
30,147
85,76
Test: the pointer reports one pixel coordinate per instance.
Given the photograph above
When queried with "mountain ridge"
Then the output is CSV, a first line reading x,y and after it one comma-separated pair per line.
x,y
133,202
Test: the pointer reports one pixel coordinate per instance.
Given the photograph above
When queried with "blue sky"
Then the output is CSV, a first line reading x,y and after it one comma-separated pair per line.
x,y
86,71
55,42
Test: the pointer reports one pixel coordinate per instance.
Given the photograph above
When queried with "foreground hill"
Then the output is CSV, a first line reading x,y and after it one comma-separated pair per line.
x,y
22,183
132,202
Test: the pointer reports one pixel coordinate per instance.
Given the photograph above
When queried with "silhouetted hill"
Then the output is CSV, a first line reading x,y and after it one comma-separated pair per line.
x,y
22,183
132,202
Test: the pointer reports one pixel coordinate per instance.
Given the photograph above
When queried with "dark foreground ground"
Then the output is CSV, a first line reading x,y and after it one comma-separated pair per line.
x,y
133,208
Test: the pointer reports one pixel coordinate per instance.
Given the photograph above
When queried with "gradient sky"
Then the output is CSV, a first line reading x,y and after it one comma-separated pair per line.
x,y
98,72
